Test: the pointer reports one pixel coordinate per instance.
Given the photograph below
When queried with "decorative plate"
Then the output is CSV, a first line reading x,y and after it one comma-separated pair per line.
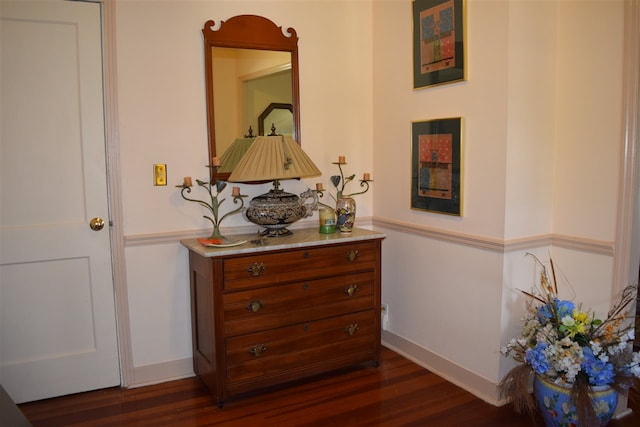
x,y
224,242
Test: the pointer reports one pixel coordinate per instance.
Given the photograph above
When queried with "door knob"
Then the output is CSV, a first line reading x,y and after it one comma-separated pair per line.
x,y
96,224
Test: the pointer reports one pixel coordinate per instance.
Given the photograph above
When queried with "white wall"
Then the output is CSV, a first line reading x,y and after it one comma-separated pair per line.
x,y
444,297
480,101
162,119
541,136
539,119
532,117
589,125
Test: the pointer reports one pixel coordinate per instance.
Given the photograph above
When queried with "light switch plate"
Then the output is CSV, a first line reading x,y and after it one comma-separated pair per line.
x,y
159,174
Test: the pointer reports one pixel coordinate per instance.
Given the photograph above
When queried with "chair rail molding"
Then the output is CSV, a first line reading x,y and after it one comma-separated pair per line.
x,y
599,247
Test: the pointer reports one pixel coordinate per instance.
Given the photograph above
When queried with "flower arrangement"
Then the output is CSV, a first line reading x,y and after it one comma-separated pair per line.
x,y
571,347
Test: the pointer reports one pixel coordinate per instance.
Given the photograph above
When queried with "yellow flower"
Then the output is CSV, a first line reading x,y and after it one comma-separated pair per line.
x,y
580,316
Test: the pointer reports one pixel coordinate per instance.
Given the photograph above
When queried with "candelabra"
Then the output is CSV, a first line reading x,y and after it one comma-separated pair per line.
x,y
216,202
345,205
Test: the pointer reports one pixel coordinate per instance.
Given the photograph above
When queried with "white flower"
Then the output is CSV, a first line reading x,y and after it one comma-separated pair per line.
x,y
601,406
568,321
618,348
596,347
568,342
565,356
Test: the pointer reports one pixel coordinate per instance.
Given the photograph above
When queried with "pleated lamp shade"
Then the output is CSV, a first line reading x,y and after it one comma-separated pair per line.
x,y
273,158
233,154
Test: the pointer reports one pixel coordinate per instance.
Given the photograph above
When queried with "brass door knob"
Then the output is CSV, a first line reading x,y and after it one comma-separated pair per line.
x,y
96,224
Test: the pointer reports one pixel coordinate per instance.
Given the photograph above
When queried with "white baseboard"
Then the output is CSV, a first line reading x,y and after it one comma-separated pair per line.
x,y
473,383
162,372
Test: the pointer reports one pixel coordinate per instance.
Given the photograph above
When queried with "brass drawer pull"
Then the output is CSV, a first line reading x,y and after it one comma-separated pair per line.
x,y
352,255
352,329
351,290
255,306
256,269
258,349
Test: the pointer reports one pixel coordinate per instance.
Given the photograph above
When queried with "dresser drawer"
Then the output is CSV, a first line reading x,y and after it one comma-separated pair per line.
x,y
276,306
293,308
286,350
262,269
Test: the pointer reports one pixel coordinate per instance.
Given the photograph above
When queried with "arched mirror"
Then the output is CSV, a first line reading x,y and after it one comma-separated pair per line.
x,y
250,64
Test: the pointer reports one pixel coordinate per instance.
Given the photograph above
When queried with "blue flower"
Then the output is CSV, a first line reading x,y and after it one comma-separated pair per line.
x,y
537,359
561,308
565,308
544,313
599,372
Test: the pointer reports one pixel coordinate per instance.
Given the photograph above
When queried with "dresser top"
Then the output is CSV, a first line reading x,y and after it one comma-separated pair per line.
x,y
300,238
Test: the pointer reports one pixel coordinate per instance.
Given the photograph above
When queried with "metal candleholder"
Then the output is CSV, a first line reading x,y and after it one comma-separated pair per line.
x,y
214,205
339,182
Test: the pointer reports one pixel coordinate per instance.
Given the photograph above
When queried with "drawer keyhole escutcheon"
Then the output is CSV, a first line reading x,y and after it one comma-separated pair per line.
x,y
351,290
256,269
306,254
255,306
306,327
352,329
352,255
258,349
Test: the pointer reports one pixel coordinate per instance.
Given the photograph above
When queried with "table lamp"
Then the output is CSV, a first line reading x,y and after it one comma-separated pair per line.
x,y
274,158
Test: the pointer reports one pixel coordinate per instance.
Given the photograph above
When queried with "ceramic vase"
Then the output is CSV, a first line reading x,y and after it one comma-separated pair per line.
x,y
557,411
345,214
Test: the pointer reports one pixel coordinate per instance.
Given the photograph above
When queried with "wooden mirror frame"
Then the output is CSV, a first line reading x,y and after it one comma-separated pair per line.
x,y
248,32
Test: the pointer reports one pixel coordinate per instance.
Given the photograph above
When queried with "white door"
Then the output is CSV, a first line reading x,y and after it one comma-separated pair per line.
x,y
57,310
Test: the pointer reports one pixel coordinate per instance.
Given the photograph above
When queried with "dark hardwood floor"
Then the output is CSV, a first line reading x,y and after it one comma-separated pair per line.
x,y
397,393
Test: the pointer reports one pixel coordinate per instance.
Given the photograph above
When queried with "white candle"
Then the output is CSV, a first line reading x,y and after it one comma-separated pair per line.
x,y
366,176
235,191
187,181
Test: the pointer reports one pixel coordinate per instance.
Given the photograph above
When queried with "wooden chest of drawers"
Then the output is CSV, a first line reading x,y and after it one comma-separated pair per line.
x,y
293,307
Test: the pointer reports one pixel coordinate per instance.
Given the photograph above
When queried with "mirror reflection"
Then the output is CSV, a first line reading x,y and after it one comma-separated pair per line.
x,y
251,71
246,82
280,115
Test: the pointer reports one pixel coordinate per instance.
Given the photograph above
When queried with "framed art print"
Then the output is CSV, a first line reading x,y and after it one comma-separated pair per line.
x,y
435,165
438,42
